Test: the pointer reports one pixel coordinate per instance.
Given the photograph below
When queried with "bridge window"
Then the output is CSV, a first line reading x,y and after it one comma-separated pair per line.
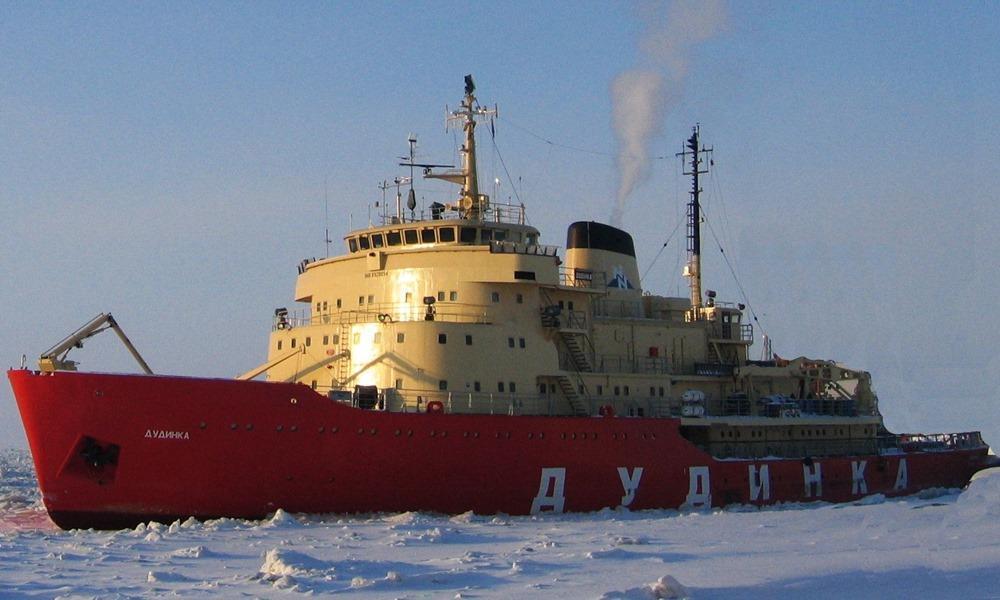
x,y
363,242
394,238
410,236
486,234
467,235
352,243
427,236
446,234
378,240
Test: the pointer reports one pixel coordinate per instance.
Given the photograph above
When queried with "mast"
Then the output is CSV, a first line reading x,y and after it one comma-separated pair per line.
x,y
693,268
471,204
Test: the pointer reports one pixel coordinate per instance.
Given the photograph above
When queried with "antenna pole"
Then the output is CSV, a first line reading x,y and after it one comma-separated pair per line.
x,y
693,268
326,213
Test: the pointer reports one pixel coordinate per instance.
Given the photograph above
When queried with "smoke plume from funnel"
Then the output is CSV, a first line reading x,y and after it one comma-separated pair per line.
x,y
642,97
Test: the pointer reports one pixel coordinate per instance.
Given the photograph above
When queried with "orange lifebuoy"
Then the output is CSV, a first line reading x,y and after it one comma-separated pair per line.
x,y
435,407
606,410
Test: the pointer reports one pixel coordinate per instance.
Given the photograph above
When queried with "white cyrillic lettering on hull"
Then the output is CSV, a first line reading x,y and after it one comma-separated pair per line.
x,y
902,476
699,490
858,484
554,479
630,483
160,434
813,480
760,483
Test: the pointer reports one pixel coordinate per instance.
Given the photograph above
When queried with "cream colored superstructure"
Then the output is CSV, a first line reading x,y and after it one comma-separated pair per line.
x,y
469,310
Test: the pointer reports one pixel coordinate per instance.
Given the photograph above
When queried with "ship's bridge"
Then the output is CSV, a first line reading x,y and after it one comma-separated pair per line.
x,y
502,234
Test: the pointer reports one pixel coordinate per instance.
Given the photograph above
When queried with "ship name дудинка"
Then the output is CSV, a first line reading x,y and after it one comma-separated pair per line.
x,y
450,362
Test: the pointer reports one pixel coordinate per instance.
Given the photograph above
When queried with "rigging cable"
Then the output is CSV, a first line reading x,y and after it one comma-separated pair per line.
x,y
576,148
735,278
493,137
662,248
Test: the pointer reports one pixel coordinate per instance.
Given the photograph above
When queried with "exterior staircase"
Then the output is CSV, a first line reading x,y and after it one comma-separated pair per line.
x,y
570,391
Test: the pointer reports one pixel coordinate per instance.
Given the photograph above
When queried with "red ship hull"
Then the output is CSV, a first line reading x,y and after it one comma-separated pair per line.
x,y
116,450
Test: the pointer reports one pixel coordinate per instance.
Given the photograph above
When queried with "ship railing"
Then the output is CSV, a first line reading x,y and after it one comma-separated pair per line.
x,y
582,278
791,448
929,442
618,309
608,363
448,312
521,248
492,212
499,403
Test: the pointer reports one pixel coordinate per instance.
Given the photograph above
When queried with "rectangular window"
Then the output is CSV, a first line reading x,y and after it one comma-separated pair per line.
x,y
520,342
453,296
661,391
318,305
352,244
442,338
600,390
326,340
427,236
394,238
324,306
399,384
400,337
313,384
541,388
487,235
363,242
618,391
446,234
468,340
476,386
467,235
408,298
336,338
293,342
626,390
513,387
495,297
377,338
528,275
371,299
441,296
378,240
338,302
410,236
308,341
361,300
500,235
499,386
279,344
443,384
510,342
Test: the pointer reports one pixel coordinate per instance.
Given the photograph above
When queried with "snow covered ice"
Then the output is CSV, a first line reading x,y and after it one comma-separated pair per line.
x,y
934,546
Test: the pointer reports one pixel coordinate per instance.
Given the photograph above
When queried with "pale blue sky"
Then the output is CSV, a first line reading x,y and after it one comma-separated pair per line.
x,y
166,162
